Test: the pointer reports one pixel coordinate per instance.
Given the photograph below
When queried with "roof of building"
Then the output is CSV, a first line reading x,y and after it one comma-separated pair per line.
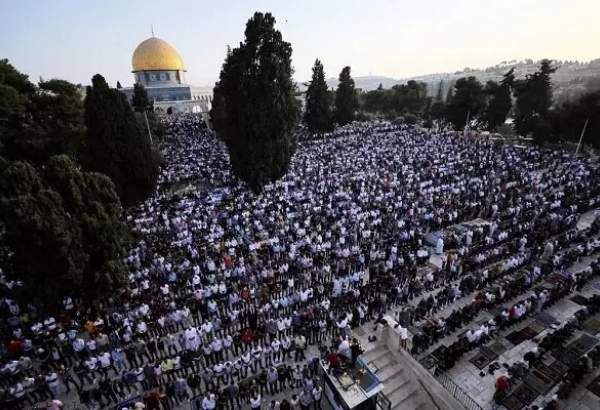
x,y
154,54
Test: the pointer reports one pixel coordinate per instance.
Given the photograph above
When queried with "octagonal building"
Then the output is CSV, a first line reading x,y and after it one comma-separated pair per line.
x,y
157,66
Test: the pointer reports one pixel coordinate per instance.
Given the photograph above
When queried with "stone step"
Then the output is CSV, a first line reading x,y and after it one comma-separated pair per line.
x,y
390,371
384,362
374,354
399,395
426,406
414,401
398,386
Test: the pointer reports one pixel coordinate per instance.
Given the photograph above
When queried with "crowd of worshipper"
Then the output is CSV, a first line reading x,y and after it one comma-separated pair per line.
x,y
507,281
574,369
234,298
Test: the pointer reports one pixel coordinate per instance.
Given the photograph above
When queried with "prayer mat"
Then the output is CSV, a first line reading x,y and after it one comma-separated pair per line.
x,y
537,327
480,360
487,352
516,337
530,332
580,300
512,403
555,278
525,394
594,386
548,372
538,382
547,319
440,353
496,311
497,347
582,345
566,356
428,362
592,325
559,366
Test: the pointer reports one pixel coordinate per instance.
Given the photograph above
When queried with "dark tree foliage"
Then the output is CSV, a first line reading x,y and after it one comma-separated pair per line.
x,y
119,86
401,100
533,101
49,122
437,109
140,100
117,144
468,99
254,108
410,98
14,92
499,100
144,108
11,77
569,119
346,102
318,115
376,101
64,228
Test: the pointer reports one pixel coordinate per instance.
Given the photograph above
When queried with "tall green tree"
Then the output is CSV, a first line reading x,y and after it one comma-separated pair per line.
x,y
254,107
318,115
140,100
499,100
468,100
50,122
568,120
438,107
15,89
346,102
533,101
12,77
116,143
64,229
144,108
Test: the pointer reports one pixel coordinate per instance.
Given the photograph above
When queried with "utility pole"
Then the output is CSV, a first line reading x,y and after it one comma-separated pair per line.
x,y
581,136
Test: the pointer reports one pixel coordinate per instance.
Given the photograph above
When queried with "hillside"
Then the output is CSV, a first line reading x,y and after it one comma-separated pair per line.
x,y
570,79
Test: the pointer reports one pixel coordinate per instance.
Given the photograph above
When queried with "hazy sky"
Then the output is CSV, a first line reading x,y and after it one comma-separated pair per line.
x,y
398,38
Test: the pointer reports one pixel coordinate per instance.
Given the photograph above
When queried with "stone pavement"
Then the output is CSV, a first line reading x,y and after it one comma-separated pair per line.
x,y
481,389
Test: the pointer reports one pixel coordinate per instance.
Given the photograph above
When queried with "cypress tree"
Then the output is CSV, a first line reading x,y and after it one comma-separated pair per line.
x,y
318,116
345,98
500,100
254,108
116,144
533,101
140,100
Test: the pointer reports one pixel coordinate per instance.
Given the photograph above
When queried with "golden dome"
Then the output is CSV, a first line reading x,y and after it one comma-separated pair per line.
x,y
156,54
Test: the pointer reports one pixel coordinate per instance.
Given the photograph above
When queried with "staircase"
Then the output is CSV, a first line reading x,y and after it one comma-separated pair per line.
x,y
401,386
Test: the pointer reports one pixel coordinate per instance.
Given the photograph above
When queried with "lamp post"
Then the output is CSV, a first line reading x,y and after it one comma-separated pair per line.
x,y
581,136
148,127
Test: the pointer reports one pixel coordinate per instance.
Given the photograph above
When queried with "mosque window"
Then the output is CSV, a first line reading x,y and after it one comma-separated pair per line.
x,y
152,77
163,77
168,76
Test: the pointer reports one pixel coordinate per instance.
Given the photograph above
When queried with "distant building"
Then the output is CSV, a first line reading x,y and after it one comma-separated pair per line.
x,y
159,68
